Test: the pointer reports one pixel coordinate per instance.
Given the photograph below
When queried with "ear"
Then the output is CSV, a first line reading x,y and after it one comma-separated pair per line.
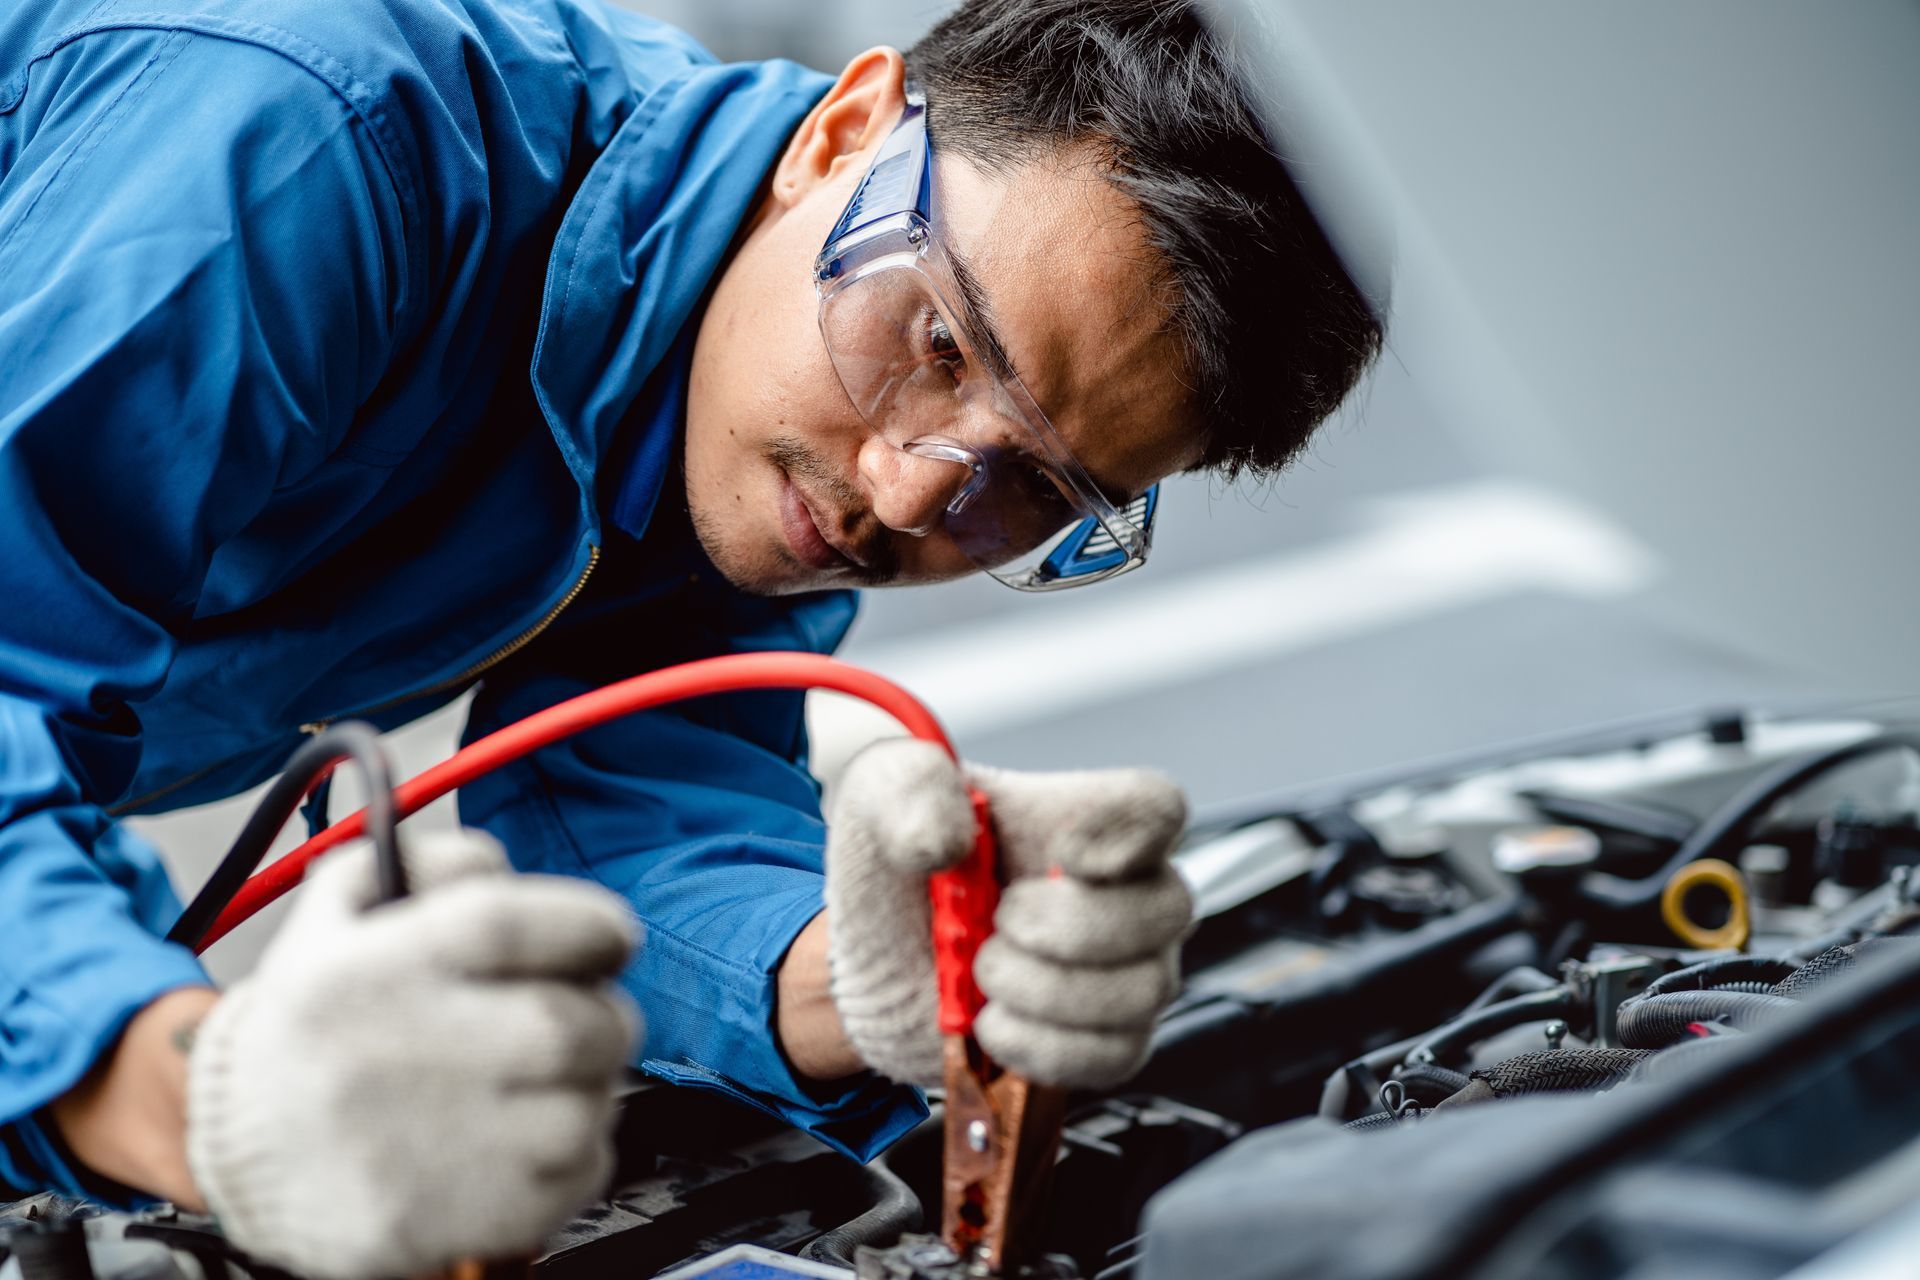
x,y
855,115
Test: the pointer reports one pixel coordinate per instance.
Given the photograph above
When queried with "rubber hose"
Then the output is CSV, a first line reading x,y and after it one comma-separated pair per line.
x,y
1428,1085
1722,973
1658,1021
1721,835
1379,1120
1376,1064
896,1212
1463,1033
1514,982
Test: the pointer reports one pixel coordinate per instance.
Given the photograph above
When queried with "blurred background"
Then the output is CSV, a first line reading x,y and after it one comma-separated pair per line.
x,y
1393,599
822,34
1390,600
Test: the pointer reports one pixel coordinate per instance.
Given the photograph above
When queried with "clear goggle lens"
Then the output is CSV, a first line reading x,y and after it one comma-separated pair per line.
x,y
1018,507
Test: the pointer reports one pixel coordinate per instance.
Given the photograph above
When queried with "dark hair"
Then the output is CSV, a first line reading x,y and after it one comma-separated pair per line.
x,y
1275,332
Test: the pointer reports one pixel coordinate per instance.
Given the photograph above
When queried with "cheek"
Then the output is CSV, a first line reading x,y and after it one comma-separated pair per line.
x,y
779,385
761,370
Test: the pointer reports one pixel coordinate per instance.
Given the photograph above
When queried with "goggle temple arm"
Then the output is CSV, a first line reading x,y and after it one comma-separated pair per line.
x,y
1090,551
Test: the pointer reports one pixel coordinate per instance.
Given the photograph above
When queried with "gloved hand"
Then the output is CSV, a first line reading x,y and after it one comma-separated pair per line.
x,y
1080,963
402,1085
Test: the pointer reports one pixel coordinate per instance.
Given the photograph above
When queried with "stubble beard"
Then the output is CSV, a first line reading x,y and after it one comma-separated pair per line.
x,y
797,460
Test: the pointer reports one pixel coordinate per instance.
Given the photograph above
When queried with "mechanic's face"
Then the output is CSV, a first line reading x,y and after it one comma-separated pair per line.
x,y
789,489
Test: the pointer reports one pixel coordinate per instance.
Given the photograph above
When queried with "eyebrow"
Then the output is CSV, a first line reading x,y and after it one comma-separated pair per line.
x,y
986,337
986,331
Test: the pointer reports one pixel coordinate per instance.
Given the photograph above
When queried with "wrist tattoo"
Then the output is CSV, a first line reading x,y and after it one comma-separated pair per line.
x,y
183,1036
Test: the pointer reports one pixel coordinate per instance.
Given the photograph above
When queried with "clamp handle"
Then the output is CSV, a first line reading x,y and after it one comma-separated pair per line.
x,y
1002,1130
964,898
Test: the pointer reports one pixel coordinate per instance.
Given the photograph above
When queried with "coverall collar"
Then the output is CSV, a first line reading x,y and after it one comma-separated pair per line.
x,y
642,238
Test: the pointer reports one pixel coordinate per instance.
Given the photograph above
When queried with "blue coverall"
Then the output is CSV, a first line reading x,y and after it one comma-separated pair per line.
x,y
343,346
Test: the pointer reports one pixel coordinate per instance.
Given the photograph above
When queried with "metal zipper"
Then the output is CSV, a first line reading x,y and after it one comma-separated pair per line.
x,y
126,806
493,659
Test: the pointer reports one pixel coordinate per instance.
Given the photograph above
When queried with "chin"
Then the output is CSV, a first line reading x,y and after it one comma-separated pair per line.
x,y
751,567
781,582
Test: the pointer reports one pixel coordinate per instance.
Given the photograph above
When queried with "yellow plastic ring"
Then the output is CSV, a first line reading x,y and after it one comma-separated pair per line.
x,y
1712,873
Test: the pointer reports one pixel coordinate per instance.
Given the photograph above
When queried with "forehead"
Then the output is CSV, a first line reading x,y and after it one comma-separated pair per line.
x,y
1078,299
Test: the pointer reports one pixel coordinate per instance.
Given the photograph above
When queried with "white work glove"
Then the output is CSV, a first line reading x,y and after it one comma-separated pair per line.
x,y
1085,949
399,1086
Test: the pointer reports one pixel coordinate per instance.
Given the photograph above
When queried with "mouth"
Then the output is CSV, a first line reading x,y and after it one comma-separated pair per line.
x,y
807,535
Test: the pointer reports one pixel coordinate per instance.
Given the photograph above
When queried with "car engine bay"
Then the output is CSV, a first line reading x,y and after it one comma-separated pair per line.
x,y
1633,1003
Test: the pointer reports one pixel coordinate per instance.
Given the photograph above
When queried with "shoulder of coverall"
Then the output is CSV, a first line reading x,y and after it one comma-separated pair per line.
x,y
460,97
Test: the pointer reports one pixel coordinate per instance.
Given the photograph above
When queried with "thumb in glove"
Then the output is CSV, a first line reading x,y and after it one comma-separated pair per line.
x,y
1085,948
400,1085
902,813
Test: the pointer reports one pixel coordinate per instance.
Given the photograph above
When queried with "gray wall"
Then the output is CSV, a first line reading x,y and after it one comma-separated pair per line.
x,y
1666,256
823,34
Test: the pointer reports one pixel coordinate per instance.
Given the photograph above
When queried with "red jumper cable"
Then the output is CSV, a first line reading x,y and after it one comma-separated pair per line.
x,y
1002,1131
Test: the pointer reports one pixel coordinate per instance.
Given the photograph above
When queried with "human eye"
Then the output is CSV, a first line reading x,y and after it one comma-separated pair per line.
x,y
942,347
1043,483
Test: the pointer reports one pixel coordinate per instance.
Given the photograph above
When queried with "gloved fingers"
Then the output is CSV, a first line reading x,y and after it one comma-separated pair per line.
x,y
436,858
343,882
539,1035
1061,918
905,802
555,1131
1076,1057
513,1211
1108,997
899,814
1105,825
525,926
578,1180
583,1178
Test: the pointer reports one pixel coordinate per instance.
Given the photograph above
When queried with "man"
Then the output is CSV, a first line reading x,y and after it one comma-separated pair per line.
x,y
360,352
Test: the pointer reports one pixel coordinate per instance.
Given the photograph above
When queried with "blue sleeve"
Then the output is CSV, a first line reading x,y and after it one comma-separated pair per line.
x,y
194,257
704,817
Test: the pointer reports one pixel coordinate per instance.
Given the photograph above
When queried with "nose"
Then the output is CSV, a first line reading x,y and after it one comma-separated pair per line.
x,y
909,492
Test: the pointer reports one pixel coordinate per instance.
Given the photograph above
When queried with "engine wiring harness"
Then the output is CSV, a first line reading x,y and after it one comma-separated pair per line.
x,y
1667,953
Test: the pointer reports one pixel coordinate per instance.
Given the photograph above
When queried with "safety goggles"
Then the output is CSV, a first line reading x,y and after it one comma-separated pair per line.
x,y
897,326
